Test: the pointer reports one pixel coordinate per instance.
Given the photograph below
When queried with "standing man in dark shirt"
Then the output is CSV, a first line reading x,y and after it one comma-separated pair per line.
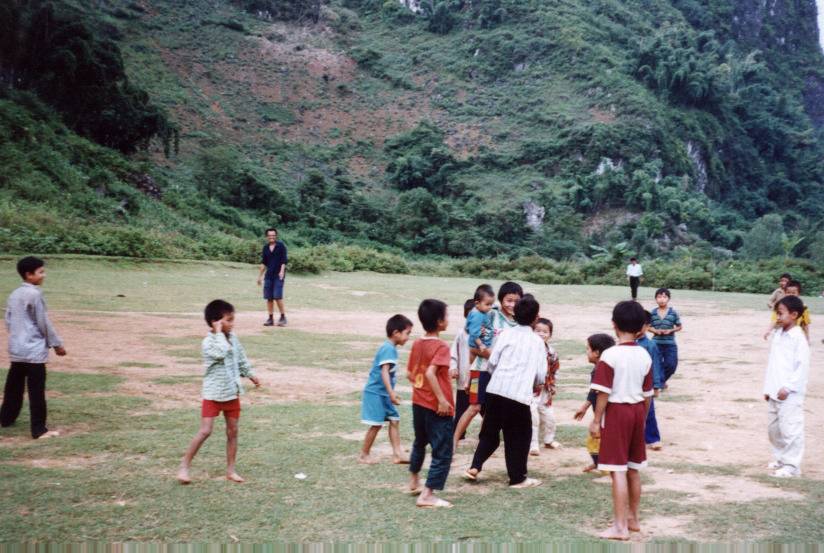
x,y
273,265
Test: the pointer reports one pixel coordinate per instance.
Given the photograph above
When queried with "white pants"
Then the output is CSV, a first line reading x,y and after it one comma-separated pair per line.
x,y
785,427
542,415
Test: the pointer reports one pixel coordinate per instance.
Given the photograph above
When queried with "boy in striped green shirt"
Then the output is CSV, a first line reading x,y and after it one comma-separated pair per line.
x,y
225,363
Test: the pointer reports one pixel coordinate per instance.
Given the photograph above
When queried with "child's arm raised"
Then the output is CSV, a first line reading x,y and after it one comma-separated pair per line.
x,y
444,408
387,382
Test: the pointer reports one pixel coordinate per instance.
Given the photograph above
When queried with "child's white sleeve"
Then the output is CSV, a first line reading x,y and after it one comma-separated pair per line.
x,y
216,346
797,378
243,365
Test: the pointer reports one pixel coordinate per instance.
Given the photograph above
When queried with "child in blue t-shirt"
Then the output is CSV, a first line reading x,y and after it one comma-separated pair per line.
x,y
379,398
652,436
479,322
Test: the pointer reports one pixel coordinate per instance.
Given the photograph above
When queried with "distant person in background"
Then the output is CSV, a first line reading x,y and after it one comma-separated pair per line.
x,y
634,272
779,292
272,276
793,288
31,334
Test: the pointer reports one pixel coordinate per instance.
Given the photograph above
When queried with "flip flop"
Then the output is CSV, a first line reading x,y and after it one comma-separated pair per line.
x,y
416,491
439,504
469,476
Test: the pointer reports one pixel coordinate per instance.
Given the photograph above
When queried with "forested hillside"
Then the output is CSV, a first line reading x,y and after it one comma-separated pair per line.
x,y
688,129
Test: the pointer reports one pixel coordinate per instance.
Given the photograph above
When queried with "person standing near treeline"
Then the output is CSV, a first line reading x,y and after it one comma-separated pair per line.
x,y
273,267
634,272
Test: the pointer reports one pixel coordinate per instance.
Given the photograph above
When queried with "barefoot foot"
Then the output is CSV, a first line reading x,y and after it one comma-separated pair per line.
x,y
234,477
183,476
400,460
613,533
589,468
367,460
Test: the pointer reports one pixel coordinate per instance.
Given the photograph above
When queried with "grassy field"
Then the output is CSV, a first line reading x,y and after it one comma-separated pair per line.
x,y
111,477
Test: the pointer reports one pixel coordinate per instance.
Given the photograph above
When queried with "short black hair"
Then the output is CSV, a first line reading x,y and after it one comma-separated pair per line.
x,y
510,287
629,316
216,310
600,342
271,229
483,291
468,306
547,322
28,265
788,276
792,303
633,259
664,291
648,318
397,323
794,284
430,312
526,310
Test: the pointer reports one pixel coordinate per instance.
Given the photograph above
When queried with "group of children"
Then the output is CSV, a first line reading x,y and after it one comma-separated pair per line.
x,y
506,372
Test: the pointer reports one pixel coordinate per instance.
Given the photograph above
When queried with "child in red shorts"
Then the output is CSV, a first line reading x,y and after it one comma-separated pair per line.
x,y
225,362
623,380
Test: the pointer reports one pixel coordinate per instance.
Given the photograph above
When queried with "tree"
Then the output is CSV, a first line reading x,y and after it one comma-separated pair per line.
x,y
764,238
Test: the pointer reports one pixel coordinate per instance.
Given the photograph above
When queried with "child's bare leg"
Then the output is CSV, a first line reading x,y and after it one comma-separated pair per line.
x,y
398,456
634,484
463,424
231,448
364,456
620,500
206,425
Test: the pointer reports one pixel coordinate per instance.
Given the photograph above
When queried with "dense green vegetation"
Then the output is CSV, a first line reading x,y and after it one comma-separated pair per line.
x,y
658,126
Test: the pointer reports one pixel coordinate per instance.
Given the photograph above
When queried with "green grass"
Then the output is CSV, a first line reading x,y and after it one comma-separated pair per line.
x,y
111,477
183,288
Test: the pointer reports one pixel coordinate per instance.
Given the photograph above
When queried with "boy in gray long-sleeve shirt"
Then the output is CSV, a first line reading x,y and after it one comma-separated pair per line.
x,y
31,335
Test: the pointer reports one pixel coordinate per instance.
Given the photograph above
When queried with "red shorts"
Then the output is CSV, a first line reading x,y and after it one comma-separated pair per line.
x,y
231,409
622,437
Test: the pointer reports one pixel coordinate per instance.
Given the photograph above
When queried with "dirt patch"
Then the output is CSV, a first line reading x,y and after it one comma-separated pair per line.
x,y
707,488
74,462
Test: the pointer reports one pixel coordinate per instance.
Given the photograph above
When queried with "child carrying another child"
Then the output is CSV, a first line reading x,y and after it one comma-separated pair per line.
x,y
379,398
459,367
541,407
785,385
623,380
597,344
503,317
432,405
225,362
479,323
517,364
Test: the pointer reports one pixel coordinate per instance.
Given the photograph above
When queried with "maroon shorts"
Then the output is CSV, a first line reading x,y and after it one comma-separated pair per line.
x,y
231,409
622,437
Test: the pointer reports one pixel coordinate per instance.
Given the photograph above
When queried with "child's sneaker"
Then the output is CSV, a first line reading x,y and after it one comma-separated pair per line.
x,y
282,320
786,472
774,465
553,445
270,321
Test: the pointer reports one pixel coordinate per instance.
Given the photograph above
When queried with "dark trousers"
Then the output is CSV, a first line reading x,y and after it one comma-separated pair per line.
x,y
21,374
435,430
515,420
633,286
461,405
669,359
651,433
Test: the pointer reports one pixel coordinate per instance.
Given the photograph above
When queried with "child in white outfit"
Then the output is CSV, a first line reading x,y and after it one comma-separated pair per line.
x,y
785,384
541,408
